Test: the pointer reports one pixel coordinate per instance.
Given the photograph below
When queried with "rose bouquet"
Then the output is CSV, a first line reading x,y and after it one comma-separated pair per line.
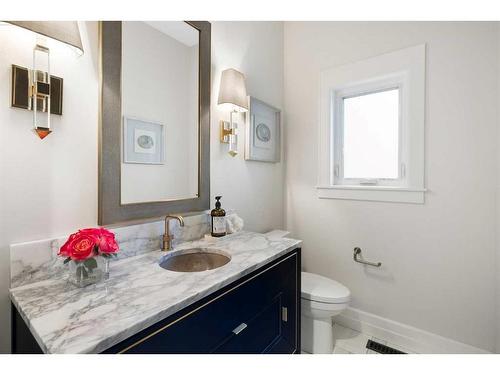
x,y
88,252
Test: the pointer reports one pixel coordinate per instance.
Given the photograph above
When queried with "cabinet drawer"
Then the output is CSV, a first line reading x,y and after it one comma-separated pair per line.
x,y
202,330
258,334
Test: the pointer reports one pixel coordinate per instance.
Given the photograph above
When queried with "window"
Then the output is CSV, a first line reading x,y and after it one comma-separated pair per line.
x,y
371,136
371,130
368,139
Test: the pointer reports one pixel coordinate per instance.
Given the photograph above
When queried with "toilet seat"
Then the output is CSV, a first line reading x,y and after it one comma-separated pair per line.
x,y
320,289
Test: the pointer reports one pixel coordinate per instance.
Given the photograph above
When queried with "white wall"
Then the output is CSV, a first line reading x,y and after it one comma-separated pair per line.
x,y
438,269
154,76
253,189
47,188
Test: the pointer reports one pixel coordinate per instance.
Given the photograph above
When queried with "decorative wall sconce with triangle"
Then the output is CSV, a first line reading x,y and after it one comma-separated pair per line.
x,y
35,89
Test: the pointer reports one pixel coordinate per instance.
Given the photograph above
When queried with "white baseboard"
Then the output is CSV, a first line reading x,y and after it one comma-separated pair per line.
x,y
414,339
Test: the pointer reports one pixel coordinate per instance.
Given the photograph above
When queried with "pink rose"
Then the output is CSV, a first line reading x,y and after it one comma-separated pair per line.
x,y
79,246
107,242
65,249
105,239
89,242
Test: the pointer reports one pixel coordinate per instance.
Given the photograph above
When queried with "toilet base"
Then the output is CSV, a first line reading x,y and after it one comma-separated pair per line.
x,y
316,335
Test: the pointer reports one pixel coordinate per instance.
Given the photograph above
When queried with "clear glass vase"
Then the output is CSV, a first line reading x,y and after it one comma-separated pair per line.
x,y
88,271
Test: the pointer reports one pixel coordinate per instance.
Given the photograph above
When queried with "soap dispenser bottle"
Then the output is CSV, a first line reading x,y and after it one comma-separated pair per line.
x,y
218,219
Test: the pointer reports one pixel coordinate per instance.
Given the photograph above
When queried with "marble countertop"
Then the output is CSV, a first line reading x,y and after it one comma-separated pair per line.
x,y
139,293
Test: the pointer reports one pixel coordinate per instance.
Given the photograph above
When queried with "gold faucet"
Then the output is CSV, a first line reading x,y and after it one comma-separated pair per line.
x,y
167,237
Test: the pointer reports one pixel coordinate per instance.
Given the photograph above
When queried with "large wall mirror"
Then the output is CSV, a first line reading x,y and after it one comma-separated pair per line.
x,y
155,103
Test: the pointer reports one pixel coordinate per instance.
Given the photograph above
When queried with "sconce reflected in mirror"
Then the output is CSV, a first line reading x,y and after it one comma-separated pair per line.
x,y
35,89
232,98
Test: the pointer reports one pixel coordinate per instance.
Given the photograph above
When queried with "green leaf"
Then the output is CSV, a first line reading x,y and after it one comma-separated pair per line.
x,y
67,260
90,263
85,274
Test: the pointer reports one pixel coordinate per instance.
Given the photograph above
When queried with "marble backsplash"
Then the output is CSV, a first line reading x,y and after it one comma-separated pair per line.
x,y
38,260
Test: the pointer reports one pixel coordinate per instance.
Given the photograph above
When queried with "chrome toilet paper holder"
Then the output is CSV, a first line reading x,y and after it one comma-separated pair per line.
x,y
357,258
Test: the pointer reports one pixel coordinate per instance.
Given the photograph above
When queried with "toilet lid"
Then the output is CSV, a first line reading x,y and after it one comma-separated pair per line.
x,y
322,289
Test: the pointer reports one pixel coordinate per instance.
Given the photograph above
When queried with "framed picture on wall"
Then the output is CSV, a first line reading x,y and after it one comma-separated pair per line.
x,y
143,141
262,141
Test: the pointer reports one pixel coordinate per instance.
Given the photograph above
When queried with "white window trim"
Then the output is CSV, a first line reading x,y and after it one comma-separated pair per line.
x,y
404,69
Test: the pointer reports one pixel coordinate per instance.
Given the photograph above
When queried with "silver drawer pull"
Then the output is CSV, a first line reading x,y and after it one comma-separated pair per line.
x,y
240,328
284,314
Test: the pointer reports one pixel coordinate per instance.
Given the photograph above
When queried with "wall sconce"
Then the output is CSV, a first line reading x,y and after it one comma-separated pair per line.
x,y
232,98
35,89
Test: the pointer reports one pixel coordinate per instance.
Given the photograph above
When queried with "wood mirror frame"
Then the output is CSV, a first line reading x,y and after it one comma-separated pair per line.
x,y
110,209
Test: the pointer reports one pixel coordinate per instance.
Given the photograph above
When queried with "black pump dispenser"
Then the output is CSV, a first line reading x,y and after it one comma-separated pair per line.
x,y
218,219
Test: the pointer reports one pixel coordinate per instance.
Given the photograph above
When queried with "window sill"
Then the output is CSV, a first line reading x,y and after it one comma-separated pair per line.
x,y
372,193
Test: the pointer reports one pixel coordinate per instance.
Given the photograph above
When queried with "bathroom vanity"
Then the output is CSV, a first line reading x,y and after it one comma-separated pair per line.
x,y
249,305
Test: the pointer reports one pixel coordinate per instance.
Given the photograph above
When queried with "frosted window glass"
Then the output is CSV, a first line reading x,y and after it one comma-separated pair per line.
x,y
371,135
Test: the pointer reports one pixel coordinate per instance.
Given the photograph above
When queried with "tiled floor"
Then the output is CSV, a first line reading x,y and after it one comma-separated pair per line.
x,y
349,341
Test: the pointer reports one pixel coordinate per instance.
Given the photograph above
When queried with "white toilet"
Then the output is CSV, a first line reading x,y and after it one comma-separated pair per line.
x,y
322,298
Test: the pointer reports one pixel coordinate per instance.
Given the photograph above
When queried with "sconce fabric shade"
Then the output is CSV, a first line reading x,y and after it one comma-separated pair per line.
x,y
63,31
233,91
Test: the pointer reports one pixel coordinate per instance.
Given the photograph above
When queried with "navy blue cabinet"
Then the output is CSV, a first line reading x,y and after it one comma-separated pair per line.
x,y
259,313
